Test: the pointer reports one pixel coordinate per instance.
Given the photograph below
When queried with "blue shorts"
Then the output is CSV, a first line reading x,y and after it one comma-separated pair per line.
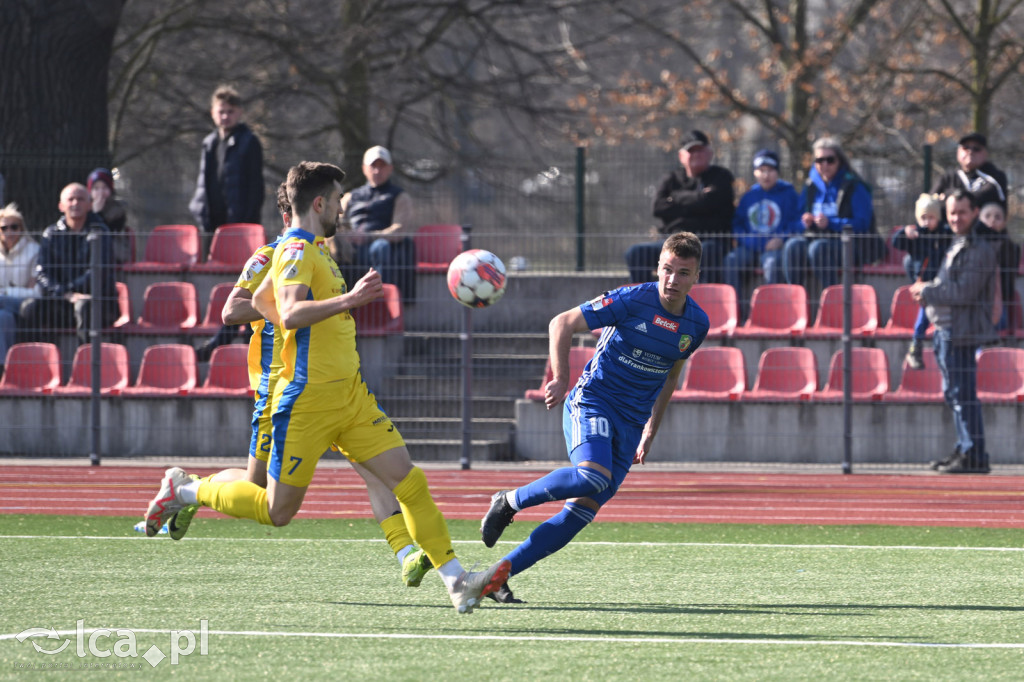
x,y
593,433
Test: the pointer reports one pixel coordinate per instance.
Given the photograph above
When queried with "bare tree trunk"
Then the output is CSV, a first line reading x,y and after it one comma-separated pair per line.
x,y
54,60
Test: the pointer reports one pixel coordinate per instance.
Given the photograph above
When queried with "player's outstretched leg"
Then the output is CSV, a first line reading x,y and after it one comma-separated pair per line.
x,y
167,501
497,518
503,595
471,587
179,523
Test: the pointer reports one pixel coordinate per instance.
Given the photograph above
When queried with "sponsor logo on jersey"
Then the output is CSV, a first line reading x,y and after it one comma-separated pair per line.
x,y
642,327
684,342
600,302
294,250
666,324
255,265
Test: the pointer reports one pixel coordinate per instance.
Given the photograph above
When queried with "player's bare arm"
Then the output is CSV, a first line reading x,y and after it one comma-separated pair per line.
x,y
657,412
297,312
265,303
238,308
560,332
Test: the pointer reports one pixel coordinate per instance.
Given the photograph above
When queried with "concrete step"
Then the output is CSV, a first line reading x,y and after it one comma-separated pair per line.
x,y
437,344
433,387
434,450
499,407
451,427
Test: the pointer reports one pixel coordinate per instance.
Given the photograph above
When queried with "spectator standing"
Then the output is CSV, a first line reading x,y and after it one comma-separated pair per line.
x,y
958,302
380,214
925,243
766,215
974,173
833,197
101,188
230,184
992,227
18,254
697,197
64,271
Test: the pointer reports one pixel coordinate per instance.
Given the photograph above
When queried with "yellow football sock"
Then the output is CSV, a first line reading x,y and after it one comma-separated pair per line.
x,y
395,532
240,499
423,518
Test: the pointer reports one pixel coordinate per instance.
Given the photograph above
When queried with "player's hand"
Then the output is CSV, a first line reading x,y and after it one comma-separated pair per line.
x,y
554,392
368,288
643,448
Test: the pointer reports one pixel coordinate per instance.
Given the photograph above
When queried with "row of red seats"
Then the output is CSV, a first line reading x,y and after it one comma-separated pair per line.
x,y
791,374
780,310
166,369
892,264
176,248
173,308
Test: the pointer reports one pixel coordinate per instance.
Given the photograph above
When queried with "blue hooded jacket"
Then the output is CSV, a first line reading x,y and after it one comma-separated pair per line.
x,y
764,214
852,208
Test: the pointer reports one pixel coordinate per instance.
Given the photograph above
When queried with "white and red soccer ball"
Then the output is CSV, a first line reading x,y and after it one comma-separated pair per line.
x,y
476,278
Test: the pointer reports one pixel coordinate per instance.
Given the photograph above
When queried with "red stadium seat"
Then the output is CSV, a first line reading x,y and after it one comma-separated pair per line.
x,y
168,308
231,247
381,317
1001,375
579,356
212,321
713,373
436,246
892,263
829,322
229,373
31,369
776,310
169,248
902,316
166,369
870,374
113,370
919,385
719,302
786,374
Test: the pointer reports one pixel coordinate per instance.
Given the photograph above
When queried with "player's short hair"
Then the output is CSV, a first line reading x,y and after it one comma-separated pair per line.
x,y
309,180
11,212
283,205
226,94
960,194
928,204
684,245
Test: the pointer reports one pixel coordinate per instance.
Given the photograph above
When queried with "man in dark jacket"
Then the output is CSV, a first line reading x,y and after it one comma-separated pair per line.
x,y
64,273
959,304
697,197
974,173
230,184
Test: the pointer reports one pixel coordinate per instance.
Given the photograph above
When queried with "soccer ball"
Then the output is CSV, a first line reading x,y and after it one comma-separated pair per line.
x,y
476,278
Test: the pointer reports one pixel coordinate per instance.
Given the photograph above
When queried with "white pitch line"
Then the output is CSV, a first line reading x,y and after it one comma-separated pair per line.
x,y
567,638
594,543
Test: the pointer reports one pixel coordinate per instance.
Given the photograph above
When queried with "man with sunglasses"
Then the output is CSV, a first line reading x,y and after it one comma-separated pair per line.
x,y
18,254
974,173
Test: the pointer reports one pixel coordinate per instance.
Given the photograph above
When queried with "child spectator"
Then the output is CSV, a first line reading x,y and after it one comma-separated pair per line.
x,y
992,228
925,244
766,215
101,187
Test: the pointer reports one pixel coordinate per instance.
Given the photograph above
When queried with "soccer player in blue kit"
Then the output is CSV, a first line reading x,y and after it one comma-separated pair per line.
x,y
612,414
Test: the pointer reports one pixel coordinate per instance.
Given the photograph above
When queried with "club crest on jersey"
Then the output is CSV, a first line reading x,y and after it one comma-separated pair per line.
x,y
600,302
684,342
666,323
255,265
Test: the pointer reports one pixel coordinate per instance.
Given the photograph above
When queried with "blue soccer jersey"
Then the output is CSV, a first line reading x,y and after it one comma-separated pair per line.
x,y
640,344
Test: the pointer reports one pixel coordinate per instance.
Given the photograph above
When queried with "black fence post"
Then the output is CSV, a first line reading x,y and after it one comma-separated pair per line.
x,y
467,371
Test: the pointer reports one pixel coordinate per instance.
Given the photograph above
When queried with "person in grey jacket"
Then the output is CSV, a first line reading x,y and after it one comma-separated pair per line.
x,y
958,301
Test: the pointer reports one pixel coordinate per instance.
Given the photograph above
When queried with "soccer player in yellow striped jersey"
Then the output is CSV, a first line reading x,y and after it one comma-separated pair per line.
x,y
320,397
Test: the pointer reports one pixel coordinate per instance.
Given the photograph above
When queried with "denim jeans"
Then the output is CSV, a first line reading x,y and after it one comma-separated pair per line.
x,y
9,306
395,261
822,256
959,368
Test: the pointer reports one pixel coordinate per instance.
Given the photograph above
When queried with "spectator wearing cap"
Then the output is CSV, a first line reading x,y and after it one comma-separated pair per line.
x,y
101,187
696,197
230,186
974,173
766,216
380,215
834,197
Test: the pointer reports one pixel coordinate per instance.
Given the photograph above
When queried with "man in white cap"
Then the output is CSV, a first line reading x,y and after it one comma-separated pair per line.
x,y
380,215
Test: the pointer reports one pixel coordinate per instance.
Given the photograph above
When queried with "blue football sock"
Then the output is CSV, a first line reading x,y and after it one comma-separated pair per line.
x,y
550,536
562,484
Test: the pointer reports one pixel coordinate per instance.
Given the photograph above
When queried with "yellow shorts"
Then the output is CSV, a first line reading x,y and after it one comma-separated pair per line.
x,y
308,420
259,445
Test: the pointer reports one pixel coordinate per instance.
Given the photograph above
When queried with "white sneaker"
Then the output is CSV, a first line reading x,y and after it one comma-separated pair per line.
x,y
471,587
167,502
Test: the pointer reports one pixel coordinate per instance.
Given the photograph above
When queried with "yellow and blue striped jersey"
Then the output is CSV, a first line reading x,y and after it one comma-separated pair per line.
x,y
262,357
325,351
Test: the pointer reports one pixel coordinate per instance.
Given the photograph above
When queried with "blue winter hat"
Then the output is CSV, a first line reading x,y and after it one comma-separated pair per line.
x,y
766,157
